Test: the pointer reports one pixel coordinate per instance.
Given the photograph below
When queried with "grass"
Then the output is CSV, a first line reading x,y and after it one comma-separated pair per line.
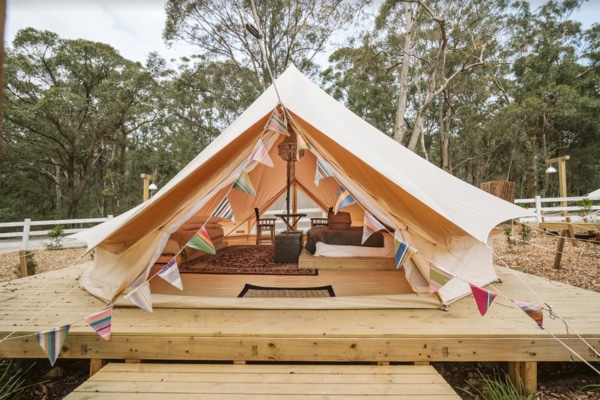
x,y
497,388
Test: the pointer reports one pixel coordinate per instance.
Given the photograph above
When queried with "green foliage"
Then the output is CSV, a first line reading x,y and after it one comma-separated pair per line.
x,y
585,206
524,233
498,388
56,234
32,265
13,381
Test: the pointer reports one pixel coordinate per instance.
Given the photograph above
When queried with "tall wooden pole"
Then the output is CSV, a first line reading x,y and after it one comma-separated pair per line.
x,y
147,179
562,179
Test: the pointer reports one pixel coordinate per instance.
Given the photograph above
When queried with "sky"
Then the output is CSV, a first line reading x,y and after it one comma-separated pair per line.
x,y
134,27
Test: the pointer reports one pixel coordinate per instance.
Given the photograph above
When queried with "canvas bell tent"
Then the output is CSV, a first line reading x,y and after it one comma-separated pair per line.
x,y
445,219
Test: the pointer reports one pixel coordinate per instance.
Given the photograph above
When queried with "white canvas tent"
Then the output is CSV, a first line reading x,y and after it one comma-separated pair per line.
x,y
447,220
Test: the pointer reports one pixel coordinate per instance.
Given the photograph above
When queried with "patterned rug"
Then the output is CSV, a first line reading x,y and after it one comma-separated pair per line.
x,y
247,259
260,291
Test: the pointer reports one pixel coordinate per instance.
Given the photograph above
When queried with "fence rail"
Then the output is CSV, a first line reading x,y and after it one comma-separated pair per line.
x,y
555,213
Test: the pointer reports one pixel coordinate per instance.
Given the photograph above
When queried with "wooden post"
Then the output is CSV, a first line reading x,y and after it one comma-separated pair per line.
x,y
559,249
23,263
96,365
523,375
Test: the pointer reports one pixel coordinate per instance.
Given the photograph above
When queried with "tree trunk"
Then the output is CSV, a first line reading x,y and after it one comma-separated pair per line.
x,y
2,49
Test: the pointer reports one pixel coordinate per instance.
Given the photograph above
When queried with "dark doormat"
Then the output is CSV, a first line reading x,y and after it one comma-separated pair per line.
x,y
261,291
243,259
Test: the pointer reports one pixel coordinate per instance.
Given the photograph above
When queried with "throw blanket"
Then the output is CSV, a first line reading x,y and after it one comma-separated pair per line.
x,y
346,237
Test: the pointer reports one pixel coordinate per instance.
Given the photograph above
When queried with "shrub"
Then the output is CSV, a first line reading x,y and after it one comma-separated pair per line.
x,y
56,234
31,263
498,388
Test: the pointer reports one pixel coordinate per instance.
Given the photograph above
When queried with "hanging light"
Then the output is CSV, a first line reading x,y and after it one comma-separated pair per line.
x,y
152,187
551,170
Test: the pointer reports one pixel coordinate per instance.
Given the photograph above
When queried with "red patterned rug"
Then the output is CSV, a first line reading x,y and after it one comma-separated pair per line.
x,y
247,259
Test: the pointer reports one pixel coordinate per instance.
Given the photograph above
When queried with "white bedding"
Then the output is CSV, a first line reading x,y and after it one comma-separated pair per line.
x,y
332,250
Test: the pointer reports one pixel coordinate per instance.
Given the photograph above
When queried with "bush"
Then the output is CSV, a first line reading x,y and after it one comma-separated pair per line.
x,y
498,388
31,263
56,234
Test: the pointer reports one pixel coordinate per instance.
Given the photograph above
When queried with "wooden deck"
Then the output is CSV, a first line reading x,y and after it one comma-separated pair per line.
x,y
459,334
264,382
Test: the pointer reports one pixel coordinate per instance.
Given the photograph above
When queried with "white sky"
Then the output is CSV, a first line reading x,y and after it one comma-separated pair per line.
x,y
134,27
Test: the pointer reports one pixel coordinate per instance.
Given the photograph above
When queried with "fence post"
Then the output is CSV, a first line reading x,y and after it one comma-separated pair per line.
x,y
23,263
26,229
538,208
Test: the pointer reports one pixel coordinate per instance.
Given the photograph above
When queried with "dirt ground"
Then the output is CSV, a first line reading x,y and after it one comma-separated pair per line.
x,y
580,267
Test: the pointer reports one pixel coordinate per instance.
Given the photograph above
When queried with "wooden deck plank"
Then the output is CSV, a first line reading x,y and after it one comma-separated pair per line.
x,y
266,381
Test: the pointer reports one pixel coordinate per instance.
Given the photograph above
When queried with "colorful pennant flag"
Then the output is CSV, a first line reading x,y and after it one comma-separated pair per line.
x,y
244,183
277,123
224,210
302,144
261,154
101,322
51,341
403,252
322,171
170,273
370,226
438,277
201,241
533,310
141,297
344,199
483,298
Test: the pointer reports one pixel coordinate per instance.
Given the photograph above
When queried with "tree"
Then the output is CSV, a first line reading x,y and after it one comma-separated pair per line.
x,y
69,102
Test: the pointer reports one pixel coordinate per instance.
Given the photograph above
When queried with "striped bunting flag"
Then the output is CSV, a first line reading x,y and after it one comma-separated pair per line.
x,y
403,252
322,171
224,210
302,143
51,341
483,298
277,123
101,322
141,297
344,199
533,310
244,183
170,273
201,241
370,226
261,154
438,277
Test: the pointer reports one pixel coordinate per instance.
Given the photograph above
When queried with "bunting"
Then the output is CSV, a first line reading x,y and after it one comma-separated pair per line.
x,y
244,183
533,310
51,341
277,123
302,144
261,155
100,321
438,277
141,297
370,226
224,210
170,273
403,252
344,199
201,241
322,171
483,298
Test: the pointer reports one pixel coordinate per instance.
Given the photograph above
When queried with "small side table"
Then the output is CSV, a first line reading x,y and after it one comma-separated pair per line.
x,y
288,246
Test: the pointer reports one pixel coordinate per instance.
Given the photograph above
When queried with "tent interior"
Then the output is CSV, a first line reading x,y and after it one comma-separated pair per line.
x,y
445,220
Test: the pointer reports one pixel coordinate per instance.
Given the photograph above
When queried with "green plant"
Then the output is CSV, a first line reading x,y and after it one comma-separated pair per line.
x,y
31,263
14,382
509,238
585,206
498,388
56,234
525,233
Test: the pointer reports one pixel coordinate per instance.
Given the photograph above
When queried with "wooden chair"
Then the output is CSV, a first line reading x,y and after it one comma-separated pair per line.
x,y
265,229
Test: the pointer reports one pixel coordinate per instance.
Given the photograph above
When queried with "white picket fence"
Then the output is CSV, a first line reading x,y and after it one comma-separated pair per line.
x,y
554,213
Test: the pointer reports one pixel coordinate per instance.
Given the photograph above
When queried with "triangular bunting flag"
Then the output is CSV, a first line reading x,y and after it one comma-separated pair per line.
x,y
483,298
277,123
344,199
244,183
370,226
403,252
51,341
438,277
224,210
322,171
533,310
302,144
101,322
170,273
201,241
141,297
261,155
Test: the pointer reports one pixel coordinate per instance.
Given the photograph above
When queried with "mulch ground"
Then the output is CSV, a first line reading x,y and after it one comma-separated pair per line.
x,y
580,267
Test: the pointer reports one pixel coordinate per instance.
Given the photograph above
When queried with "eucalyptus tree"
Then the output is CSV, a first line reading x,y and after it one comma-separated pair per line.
x,y
291,32
71,106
